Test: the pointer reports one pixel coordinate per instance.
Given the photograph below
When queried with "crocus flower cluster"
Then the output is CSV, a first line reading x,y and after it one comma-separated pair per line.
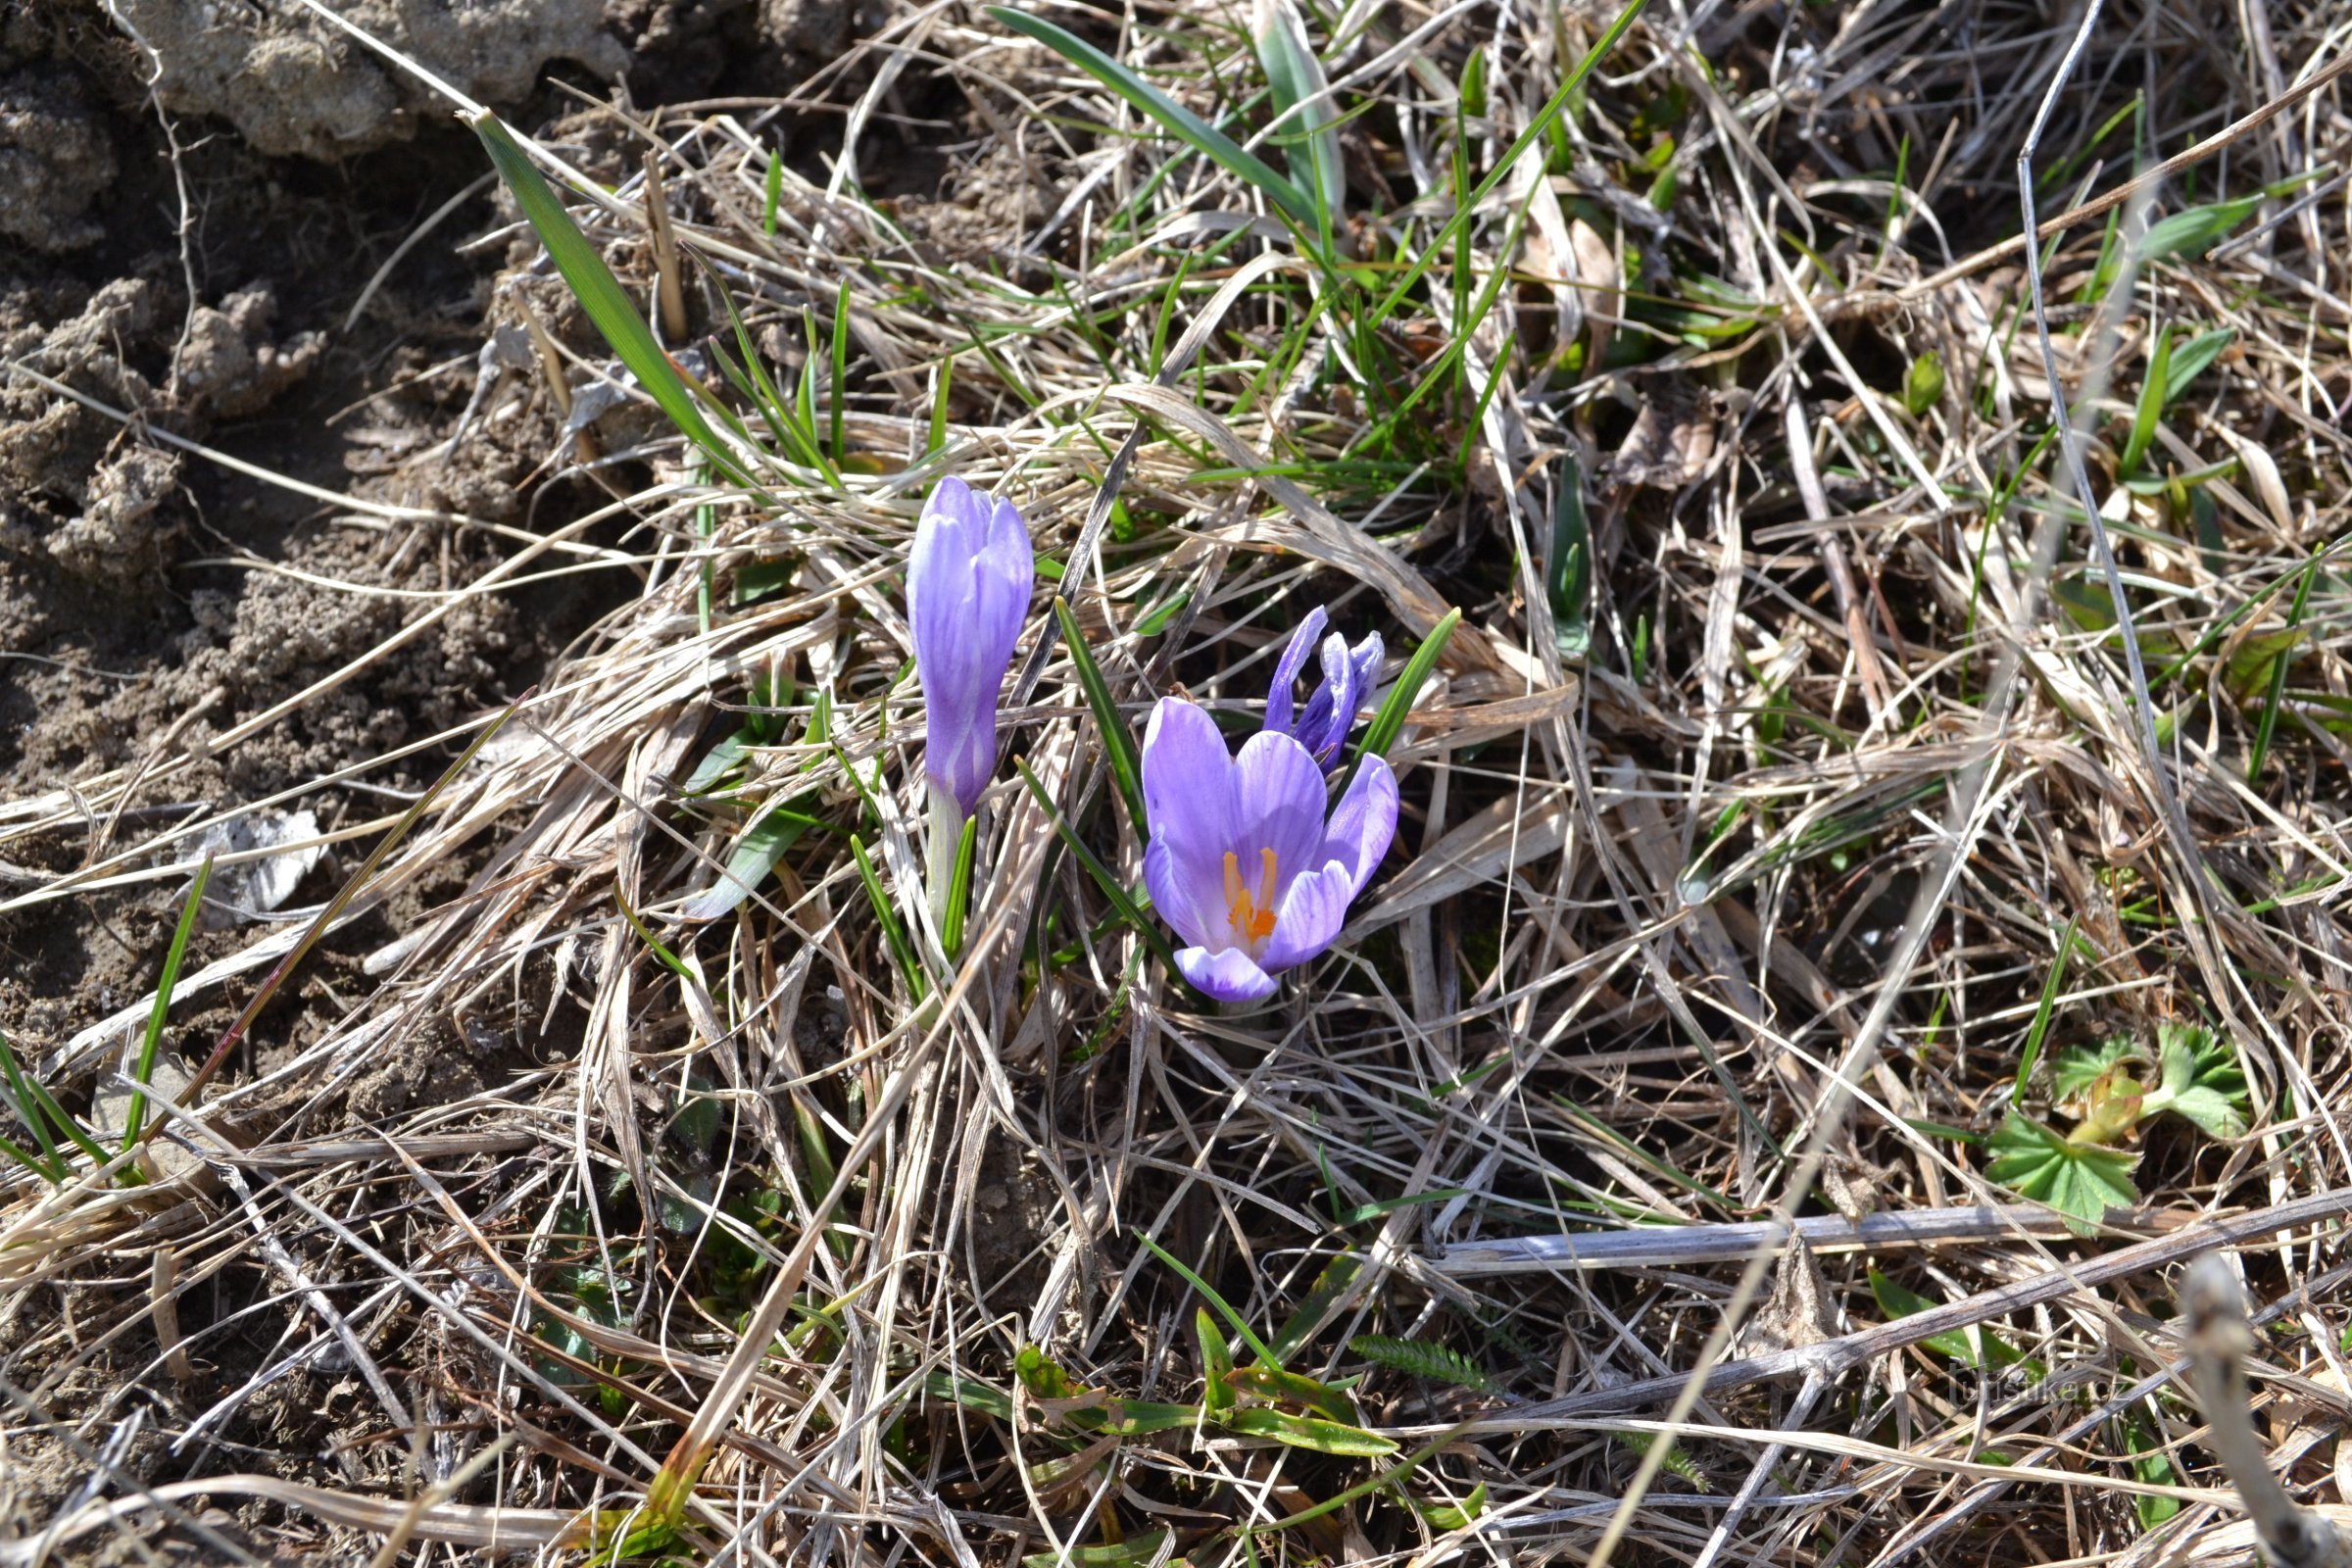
x,y
969,586
1322,725
1247,857
1242,860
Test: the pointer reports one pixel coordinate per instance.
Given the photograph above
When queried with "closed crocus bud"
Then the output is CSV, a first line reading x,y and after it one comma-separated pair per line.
x,y
969,586
1244,860
1322,725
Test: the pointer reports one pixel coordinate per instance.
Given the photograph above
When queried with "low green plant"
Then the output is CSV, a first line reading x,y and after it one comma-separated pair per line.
x,y
2109,1090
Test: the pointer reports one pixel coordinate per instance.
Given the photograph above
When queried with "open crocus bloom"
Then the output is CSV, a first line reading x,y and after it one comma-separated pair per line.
x,y
1322,725
969,586
1242,860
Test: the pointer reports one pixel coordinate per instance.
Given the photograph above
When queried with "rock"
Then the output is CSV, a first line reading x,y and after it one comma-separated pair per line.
x,y
292,84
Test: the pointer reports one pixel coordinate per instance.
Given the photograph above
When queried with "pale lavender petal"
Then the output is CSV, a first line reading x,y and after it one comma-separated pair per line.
x,y
1313,908
1188,784
1331,709
1286,671
1366,659
1277,805
1188,897
1231,975
1006,576
970,580
1363,824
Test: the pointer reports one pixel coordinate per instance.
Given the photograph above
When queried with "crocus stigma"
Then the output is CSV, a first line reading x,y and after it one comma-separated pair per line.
x,y
1322,725
968,585
1242,859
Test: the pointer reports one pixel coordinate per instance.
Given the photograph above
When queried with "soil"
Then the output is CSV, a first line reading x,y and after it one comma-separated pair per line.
x,y
194,194
192,198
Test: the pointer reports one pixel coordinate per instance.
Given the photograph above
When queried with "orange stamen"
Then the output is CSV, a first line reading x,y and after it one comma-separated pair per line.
x,y
1252,918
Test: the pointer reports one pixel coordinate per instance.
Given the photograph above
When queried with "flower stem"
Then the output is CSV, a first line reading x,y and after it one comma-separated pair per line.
x,y
939,859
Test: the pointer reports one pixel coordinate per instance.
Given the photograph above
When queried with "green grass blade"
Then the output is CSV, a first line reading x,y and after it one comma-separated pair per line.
x,y
892,932
1389,722
600,295
775,194
1120,900
1118,743
57,1114
29,1113
1208,1293
2050,987
1180,121
939,406
841,367
1306,120
2268,725
2155,391
154,1038
1535,132
960,889
1568,576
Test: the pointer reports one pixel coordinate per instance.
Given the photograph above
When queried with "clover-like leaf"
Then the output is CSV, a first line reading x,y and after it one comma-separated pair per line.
x,y
2080,1066
2202,1080
2080,1181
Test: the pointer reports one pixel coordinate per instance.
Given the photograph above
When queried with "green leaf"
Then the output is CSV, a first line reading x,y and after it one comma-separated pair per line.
x,y
893,933
960,889
1307,121
2153,1466
1118,742
1208,1293
2190,359
1216,1362
1272,1383
1309,1432
1568,577
2080,1181
2194,230
1389,723
1898,1302
1444,1515
1120,900
600,295
1330,1285
1142,1548
717,762
1922,383
755,855
164,983
1419,1359
2202,1080
1178,121
2080,1066
2051,985
1474,85
2154,393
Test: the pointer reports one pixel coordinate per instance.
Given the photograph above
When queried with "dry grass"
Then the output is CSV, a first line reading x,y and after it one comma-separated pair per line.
x,y
1741,901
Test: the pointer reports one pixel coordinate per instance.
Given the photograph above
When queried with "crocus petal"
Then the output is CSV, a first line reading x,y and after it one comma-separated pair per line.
x,y
1313,908
1230,976
1188,784
1005,580
1286,671
1277,805
1363,823
970,580
1331,709
1189,896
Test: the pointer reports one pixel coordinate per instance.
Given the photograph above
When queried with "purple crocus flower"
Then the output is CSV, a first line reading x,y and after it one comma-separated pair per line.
x,y
969,586
1243,861
1330,712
